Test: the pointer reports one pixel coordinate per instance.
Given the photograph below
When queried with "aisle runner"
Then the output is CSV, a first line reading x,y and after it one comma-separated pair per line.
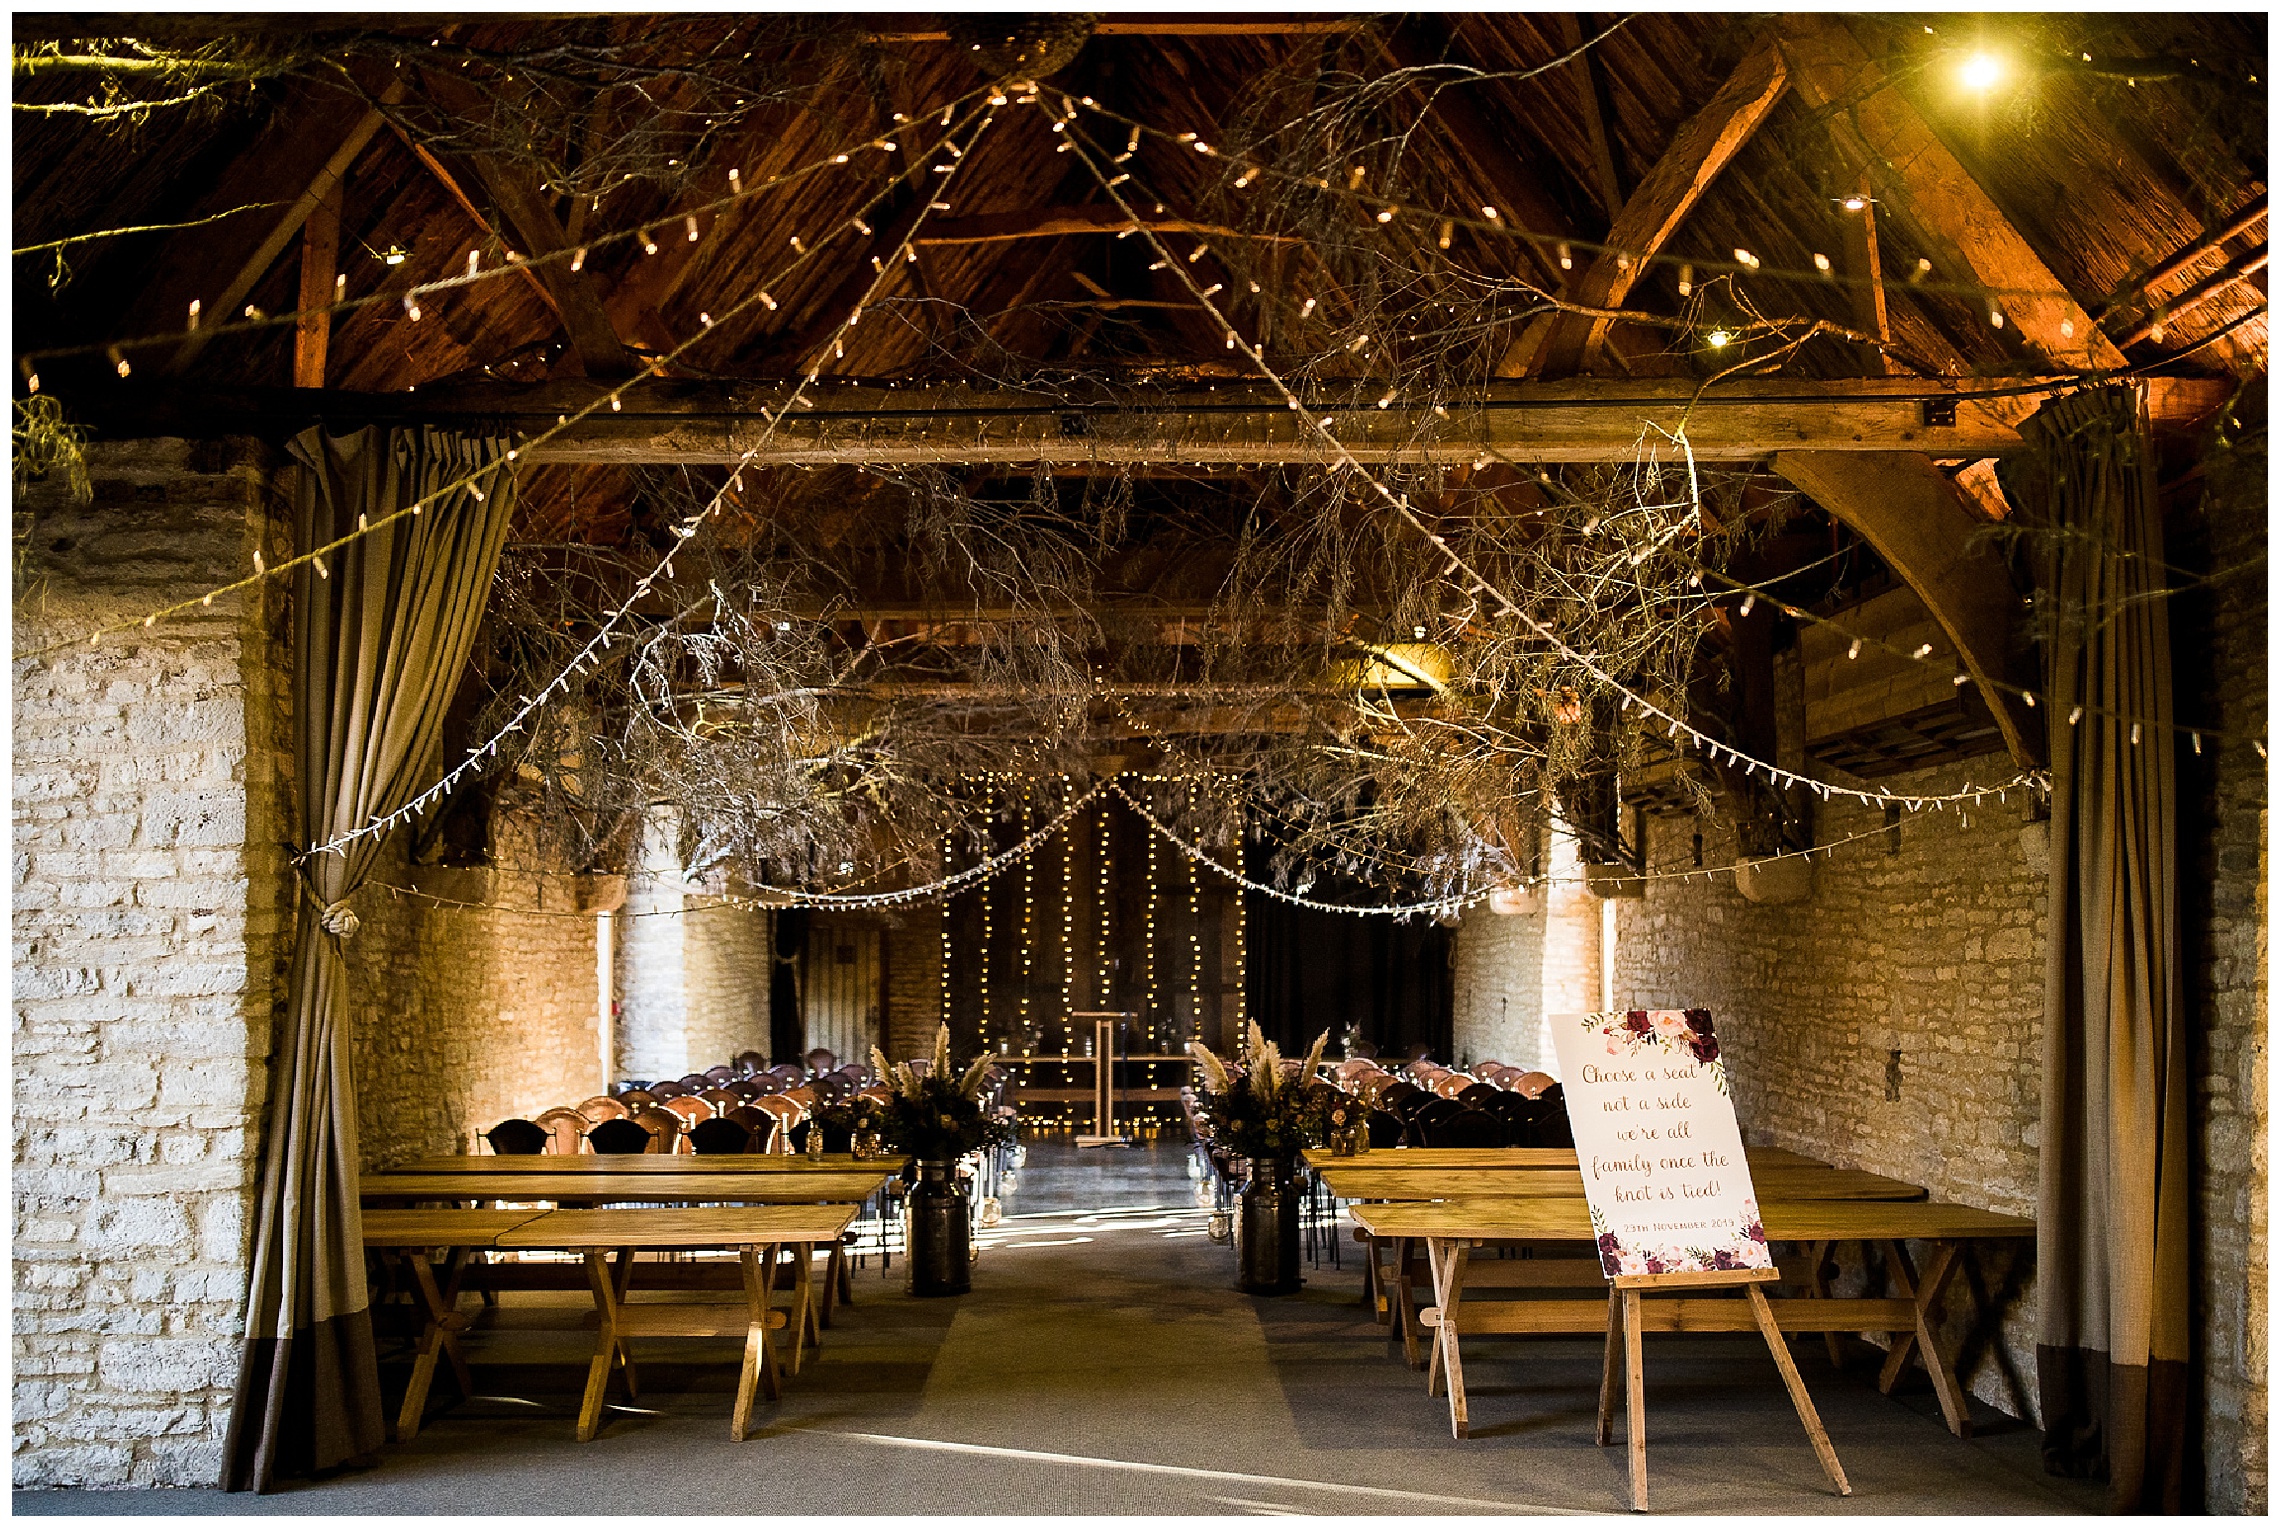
x,y
1658,1143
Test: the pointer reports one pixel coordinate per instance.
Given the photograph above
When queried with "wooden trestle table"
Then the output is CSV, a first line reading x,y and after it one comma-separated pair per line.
x,y
1451,1228
754,1233
1391,1175
604,1184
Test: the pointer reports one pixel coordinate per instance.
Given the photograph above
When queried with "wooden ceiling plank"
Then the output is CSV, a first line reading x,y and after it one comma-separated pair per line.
x,y
1864,262
1876,127
282,233
1703,146
536,230
1591,95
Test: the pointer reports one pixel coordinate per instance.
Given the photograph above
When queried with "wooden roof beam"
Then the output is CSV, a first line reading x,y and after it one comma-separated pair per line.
x,y
1054,222
1906,509
1703,146
1924,184
1233,423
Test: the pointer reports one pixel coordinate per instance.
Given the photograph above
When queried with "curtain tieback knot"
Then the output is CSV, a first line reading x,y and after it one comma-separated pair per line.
x,y
335,918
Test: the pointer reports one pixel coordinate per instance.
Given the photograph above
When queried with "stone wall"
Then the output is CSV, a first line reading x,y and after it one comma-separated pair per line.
x,y
1930,948
465,1015
1499,997
2221,659
150,928
914,980
725,953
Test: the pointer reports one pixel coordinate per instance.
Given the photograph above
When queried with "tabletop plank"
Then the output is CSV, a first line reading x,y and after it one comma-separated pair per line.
x,y
649,1162
849,1187
1510,1158
1375,1181
709,1226
441,1228
1786,1220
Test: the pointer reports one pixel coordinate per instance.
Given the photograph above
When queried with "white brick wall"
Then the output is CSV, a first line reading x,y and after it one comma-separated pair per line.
x,y
150,920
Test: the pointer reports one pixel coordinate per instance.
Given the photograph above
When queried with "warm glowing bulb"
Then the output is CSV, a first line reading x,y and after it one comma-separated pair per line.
x,y
1982,71
1718,339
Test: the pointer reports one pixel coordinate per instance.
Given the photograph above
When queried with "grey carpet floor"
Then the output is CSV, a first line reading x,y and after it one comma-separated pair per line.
x,y
1104,1364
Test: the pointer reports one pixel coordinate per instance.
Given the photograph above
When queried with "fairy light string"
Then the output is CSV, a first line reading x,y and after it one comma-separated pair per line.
x,y
1474,581
611,399
685,531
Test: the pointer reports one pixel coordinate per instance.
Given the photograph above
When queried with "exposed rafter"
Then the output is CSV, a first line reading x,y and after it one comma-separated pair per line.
x,y
1702,147
1925,185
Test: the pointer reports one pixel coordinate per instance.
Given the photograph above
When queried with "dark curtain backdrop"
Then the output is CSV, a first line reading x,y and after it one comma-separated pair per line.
x,y
2112,1274
787,1033
1309,971
380,639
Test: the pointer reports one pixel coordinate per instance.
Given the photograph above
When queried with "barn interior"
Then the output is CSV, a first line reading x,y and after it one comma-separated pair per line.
x,y
553,554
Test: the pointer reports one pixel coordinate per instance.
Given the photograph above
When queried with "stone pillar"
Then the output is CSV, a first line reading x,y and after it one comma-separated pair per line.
x,y
151,919
1571,933
653,1012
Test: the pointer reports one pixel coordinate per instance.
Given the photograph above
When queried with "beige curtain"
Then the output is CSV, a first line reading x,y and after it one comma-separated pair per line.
x,y
380,639
2112,1273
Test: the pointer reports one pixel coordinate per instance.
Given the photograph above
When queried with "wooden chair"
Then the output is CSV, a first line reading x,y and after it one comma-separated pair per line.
x,y
760,1124
664,1128
711,1137
719,1074
722,1099
565,1127
619,1137
749,1062
660,1091
1451,1084
517,1138
601,1107
689,1111
696,1082
744,1088
785,1113
634,1100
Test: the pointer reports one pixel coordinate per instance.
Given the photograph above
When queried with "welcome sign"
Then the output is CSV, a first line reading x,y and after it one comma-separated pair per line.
x,y
1656,1138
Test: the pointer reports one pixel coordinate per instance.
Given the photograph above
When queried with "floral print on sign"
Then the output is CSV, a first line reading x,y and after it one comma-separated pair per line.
x,y
1687,1030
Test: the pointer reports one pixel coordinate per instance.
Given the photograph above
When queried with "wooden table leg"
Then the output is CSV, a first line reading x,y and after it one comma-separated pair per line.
x,y
1814,1431
1611,1368
1925,1290
1436,1254
439,1337
1450,1291
606,1346
1818,1252
1405,1310
759,1357
846,1272
1635,1398
803,1302
621,1281
1947,1256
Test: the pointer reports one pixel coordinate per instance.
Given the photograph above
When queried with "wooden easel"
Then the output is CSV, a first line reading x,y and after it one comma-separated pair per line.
x,y
1625,1323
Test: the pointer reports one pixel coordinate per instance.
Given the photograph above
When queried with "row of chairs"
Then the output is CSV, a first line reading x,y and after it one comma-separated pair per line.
x,y
747,1107
1427,1104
